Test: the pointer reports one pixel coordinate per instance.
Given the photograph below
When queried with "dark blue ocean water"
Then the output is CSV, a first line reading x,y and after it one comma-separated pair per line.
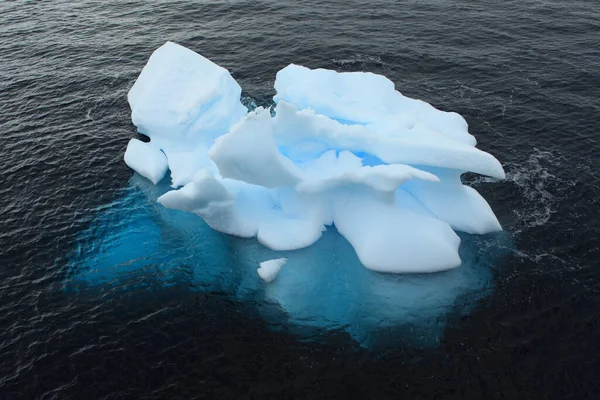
x,y
105,294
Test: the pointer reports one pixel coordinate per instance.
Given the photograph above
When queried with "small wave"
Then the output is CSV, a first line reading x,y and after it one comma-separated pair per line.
x,y
540,189
360,62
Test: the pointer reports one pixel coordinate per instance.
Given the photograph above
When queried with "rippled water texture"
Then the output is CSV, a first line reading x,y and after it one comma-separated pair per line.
x,y
100,291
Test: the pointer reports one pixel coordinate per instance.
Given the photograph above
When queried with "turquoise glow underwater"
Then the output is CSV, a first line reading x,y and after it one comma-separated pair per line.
x,y
321,288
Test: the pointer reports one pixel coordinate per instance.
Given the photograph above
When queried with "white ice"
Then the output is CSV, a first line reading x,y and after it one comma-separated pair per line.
x,y
147,160
269,270
183,101
343,149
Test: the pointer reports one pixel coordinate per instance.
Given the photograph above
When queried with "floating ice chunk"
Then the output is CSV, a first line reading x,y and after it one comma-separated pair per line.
x,y
146,159
289,233
248,153
184,164
183,101
208,198
269,270
451,201
305,135
392,239
381,178
182,96
244,210
362,98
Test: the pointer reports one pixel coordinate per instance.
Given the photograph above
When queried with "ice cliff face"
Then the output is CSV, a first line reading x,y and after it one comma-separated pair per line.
x,y
343,149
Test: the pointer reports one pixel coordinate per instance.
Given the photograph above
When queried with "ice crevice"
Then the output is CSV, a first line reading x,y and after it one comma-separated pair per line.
x,y
387,177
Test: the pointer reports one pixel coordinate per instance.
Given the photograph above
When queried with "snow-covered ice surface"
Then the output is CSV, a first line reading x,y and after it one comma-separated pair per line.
x,y
343,149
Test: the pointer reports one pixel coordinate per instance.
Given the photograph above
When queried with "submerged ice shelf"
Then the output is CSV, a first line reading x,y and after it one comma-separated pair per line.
x,y
342,149
136,246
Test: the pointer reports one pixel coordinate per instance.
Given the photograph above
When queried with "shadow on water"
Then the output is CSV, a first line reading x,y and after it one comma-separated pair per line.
x,y
135,242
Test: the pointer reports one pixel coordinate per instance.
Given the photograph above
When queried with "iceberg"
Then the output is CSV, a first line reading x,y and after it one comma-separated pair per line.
x,y
338,149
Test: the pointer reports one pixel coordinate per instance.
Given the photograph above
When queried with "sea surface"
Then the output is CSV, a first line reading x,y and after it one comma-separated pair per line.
x,y
104,294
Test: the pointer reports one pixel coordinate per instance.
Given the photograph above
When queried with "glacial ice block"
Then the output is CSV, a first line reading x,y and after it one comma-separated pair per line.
x,y
248,153
305,134
206,197
183,101
387,238
342,149
181,98
269,270
452,202
146,159
362,98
